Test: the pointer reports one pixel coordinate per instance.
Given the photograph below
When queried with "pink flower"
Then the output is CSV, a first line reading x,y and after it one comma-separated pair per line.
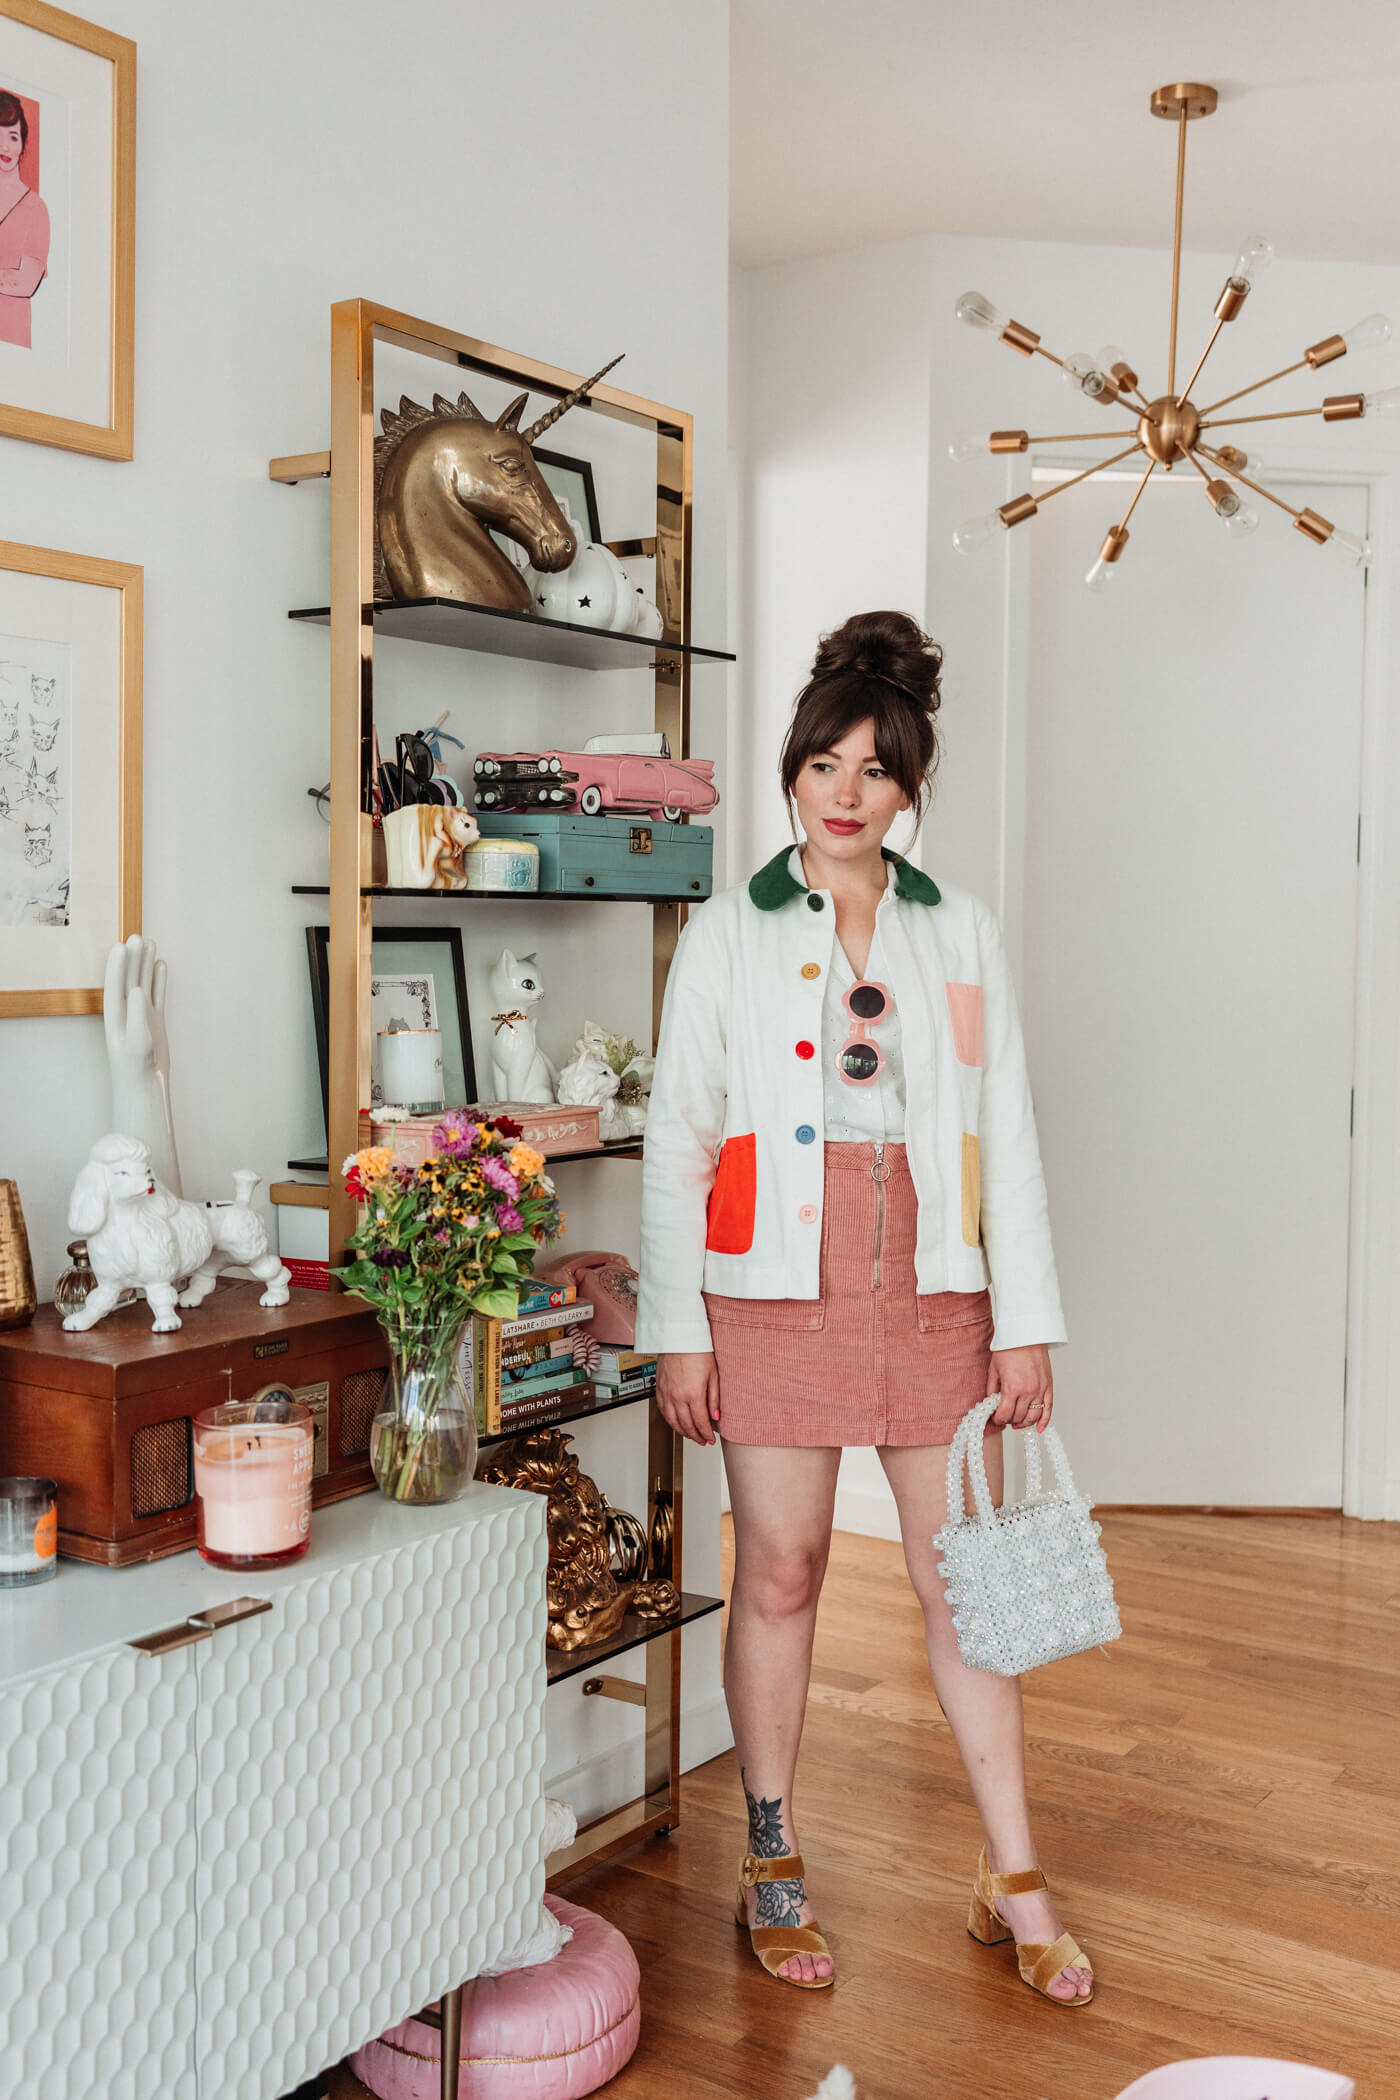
x,y
509,1218
498,1174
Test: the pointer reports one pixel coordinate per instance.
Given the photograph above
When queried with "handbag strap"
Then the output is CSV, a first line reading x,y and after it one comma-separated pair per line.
x,y
966,1450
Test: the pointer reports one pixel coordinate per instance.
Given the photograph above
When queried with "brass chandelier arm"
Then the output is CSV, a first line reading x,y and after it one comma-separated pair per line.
x,y
1199,468
1235,475
1111,461
1137,493
1176,244
1186,390
1080,437
1228,398
1041,351
1279,415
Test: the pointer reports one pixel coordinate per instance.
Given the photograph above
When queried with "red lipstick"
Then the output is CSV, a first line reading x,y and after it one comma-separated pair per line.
x,y
844,827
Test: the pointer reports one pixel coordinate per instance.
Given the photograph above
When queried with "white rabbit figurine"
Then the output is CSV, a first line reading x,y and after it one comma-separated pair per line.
x,y
520,1068
140,1236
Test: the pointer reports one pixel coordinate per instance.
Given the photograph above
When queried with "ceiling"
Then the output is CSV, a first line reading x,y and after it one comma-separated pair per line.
x,y
855,121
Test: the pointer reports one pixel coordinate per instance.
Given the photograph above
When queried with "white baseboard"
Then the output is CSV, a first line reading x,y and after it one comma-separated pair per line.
x,y
874,1516
599,1783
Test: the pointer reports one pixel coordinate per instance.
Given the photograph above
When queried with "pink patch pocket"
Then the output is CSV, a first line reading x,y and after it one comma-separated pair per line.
x,y
965,1006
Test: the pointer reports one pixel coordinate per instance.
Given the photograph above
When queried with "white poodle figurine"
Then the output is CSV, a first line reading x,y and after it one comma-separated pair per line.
x,y
140,1236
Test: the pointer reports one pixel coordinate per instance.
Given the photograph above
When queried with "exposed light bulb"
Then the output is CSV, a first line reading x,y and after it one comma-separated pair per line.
x,y
968,445
1110,358
1252,261
1350,547
977,311
1385,403
1101,575
975,533
1241,522
1368,334
1082,372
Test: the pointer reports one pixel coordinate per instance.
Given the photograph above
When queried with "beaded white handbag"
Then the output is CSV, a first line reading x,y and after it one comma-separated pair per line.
x,y
1027,1583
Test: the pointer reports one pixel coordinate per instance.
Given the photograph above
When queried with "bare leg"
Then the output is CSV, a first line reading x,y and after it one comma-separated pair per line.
x,y
782,1502
984,1712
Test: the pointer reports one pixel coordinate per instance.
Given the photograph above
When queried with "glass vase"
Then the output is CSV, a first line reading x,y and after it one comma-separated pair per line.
x,y
423,1446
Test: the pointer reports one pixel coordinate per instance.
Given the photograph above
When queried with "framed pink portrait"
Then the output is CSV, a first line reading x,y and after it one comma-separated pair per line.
x,y
67,215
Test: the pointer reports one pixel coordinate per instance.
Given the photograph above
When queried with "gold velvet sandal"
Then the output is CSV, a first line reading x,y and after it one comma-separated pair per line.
x,y
1039,1965
775,1944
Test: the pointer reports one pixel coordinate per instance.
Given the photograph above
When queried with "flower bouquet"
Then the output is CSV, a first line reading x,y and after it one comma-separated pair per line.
x,y
437,1243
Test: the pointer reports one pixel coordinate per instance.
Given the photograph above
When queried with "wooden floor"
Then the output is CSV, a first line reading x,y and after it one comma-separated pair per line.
x,y
1218,1809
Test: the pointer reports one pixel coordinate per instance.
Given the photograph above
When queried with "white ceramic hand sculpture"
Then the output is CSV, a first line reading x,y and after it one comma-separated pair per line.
x,y
138,1053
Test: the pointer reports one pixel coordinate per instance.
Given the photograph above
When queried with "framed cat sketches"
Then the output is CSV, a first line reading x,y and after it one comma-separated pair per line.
x,y
67,230
70,775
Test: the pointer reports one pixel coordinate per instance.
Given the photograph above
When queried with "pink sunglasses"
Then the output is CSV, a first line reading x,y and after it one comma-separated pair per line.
x,y
859,1061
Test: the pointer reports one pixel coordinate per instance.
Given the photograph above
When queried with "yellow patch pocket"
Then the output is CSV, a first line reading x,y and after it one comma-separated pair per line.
x,y
971,1191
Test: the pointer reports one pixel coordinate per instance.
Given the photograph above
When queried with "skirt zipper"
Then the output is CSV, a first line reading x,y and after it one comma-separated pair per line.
x,y
879,1173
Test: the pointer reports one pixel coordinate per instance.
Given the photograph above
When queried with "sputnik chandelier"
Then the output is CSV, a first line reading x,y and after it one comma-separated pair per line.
x,y
1171,428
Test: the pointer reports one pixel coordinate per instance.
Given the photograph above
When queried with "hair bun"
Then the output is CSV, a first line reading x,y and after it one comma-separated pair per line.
x,y
887,646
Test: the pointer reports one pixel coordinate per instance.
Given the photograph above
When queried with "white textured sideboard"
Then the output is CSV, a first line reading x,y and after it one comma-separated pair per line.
x,y
227,1866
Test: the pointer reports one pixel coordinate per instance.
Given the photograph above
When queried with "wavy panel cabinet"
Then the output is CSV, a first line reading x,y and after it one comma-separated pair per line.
x,y
233,1855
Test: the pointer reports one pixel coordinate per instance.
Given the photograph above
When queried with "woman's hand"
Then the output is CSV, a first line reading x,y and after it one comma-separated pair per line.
x,y
687,1392
1023,1378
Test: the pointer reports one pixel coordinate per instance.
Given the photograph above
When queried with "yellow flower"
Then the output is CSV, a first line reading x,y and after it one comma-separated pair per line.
x,y
375,1162
526,1162
459,1217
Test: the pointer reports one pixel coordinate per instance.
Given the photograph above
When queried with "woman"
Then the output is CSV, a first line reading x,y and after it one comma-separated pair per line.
x,y
24,227
840,1149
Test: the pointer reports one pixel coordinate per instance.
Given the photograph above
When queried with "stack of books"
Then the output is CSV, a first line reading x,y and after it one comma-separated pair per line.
x,y
624,1374
524,1372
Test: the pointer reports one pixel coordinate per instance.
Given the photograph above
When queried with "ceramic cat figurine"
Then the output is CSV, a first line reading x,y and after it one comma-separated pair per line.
x,y
520,1069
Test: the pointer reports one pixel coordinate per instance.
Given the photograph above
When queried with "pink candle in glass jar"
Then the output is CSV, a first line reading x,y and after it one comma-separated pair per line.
x,y
253,1463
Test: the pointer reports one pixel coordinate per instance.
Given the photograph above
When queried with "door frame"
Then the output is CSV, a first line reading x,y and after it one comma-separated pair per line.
x,y
1371,1412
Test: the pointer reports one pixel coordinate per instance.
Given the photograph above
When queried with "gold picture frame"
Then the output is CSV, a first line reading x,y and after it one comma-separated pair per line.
x,y
86,362
78,723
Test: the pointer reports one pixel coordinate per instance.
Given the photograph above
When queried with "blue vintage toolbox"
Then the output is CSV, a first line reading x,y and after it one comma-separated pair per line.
x,y
635,856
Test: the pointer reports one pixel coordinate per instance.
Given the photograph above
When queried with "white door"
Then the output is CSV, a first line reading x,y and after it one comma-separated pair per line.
x,y
1192,793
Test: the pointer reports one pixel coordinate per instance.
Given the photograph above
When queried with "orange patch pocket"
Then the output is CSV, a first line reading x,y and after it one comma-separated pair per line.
x,y
729,1228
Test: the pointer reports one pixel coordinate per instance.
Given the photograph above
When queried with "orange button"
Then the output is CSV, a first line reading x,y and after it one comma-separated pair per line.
x,y
807,1213
805,1049
811,969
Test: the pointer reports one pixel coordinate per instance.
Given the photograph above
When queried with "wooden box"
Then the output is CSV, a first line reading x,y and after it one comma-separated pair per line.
x,y
613,855
106,1414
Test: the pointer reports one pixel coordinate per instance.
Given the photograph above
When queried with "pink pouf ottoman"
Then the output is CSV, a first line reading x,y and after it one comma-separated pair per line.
x,y
1239,2078
552,2032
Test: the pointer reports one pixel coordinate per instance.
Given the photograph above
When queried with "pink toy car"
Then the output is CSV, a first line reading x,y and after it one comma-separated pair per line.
x,y
630,782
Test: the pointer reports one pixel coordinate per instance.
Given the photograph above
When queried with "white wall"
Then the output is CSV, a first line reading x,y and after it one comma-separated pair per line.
x,y
855,377
521,175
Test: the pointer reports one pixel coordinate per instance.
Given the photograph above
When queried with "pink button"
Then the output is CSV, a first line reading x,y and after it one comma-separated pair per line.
x,y
807,1213
805,1049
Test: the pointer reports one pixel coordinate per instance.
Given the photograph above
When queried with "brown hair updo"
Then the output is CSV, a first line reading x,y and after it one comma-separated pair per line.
x,y
879,667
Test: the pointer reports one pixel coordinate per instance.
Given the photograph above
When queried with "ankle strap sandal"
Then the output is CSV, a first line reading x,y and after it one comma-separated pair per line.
x,y
775,1944
1039,1964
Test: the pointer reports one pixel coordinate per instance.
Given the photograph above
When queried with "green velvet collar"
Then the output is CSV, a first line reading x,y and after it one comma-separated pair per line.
x,y
774,884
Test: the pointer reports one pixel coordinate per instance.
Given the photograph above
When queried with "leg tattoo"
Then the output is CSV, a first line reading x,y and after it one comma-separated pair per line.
x,y
778,1902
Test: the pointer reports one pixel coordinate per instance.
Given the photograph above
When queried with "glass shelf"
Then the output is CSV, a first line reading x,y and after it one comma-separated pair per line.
x,y
322,889
450,624
633,1633
620,1148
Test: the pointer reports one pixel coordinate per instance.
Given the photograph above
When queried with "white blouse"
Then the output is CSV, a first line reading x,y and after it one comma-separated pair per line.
x,y
860,1115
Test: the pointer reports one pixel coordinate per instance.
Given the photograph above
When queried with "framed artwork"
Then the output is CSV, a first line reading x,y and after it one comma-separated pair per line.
x,y
70,775
419,977
67,224
571,480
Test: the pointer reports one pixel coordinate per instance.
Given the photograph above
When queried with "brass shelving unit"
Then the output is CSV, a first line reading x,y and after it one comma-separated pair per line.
x,y
354,620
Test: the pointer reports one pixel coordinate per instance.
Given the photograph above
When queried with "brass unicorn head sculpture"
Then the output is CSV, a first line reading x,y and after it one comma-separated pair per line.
x,y
445,478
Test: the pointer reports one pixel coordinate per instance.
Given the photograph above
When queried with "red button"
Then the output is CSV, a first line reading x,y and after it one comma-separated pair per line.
x,y
806,1049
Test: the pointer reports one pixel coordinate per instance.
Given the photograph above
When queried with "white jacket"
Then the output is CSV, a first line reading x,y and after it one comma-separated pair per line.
x,y
733,1169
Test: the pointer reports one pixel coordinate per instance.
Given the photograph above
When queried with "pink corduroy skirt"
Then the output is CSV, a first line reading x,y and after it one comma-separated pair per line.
x,y
870,1361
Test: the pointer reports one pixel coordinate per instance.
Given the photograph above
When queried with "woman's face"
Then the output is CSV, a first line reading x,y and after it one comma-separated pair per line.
x,y
845,798
11,147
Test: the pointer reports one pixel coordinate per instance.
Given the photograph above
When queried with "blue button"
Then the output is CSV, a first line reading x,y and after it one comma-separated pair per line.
x,y
804,1133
